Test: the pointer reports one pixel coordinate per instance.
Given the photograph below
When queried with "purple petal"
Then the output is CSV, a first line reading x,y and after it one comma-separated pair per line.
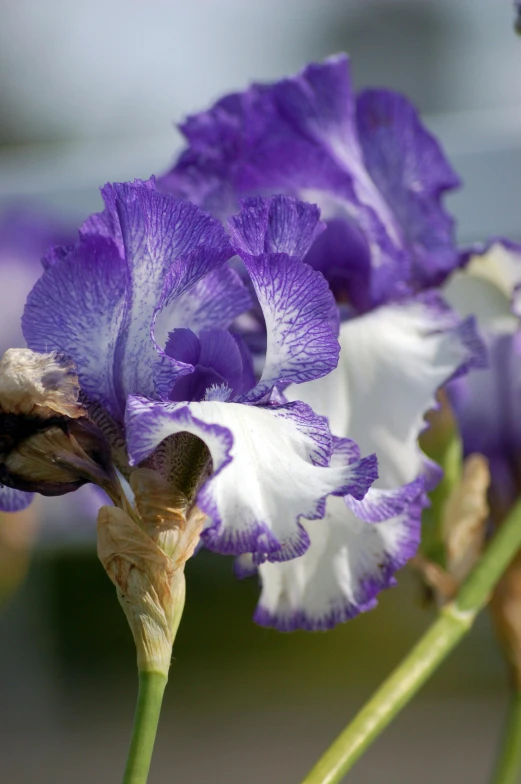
x,y
487,405
212,303
98,302
77,307
411,172
220,351
275,225
195,386
169,245
371,163
296,302
248,373
107,223
183,345
14,500
297,306
342,255
218,360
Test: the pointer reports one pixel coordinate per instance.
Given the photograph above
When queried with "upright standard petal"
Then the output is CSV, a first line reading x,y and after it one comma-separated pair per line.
x,y
278,224
298,307
269,469
169,245
77,307
98,302
407,165
368,163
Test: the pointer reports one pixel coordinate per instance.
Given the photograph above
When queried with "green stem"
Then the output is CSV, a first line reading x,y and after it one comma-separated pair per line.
x,y
151,690
508,768
454,622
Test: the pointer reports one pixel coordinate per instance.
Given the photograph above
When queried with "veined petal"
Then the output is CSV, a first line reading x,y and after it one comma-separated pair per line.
x,y
298,309
347,564
296,302
367,162
14,500
98,301
278,224
392,362
270,468
77,307
212,303
168,246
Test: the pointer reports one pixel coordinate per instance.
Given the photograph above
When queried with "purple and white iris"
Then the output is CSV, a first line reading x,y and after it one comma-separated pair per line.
x,y
487,405
143,302
378,177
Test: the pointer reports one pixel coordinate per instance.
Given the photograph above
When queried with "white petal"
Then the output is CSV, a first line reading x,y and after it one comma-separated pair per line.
x,y
486,286
346,565
392,362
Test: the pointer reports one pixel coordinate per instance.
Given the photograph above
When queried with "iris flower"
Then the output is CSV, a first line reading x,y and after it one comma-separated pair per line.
x,y
142,305
487,404
378,177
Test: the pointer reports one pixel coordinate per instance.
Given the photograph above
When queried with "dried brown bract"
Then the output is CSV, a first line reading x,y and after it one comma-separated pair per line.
x,y
47,443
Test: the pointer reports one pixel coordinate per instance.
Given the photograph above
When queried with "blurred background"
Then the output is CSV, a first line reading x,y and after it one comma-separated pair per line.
x,y
89,93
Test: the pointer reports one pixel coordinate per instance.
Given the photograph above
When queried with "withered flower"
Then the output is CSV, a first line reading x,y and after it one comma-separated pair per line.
x,y
47,443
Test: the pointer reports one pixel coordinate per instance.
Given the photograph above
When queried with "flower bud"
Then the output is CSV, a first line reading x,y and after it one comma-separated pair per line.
x,y
144,552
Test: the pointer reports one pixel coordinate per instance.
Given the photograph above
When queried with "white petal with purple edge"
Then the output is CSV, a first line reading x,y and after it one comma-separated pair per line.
x,y
392,362
347,564
270,469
